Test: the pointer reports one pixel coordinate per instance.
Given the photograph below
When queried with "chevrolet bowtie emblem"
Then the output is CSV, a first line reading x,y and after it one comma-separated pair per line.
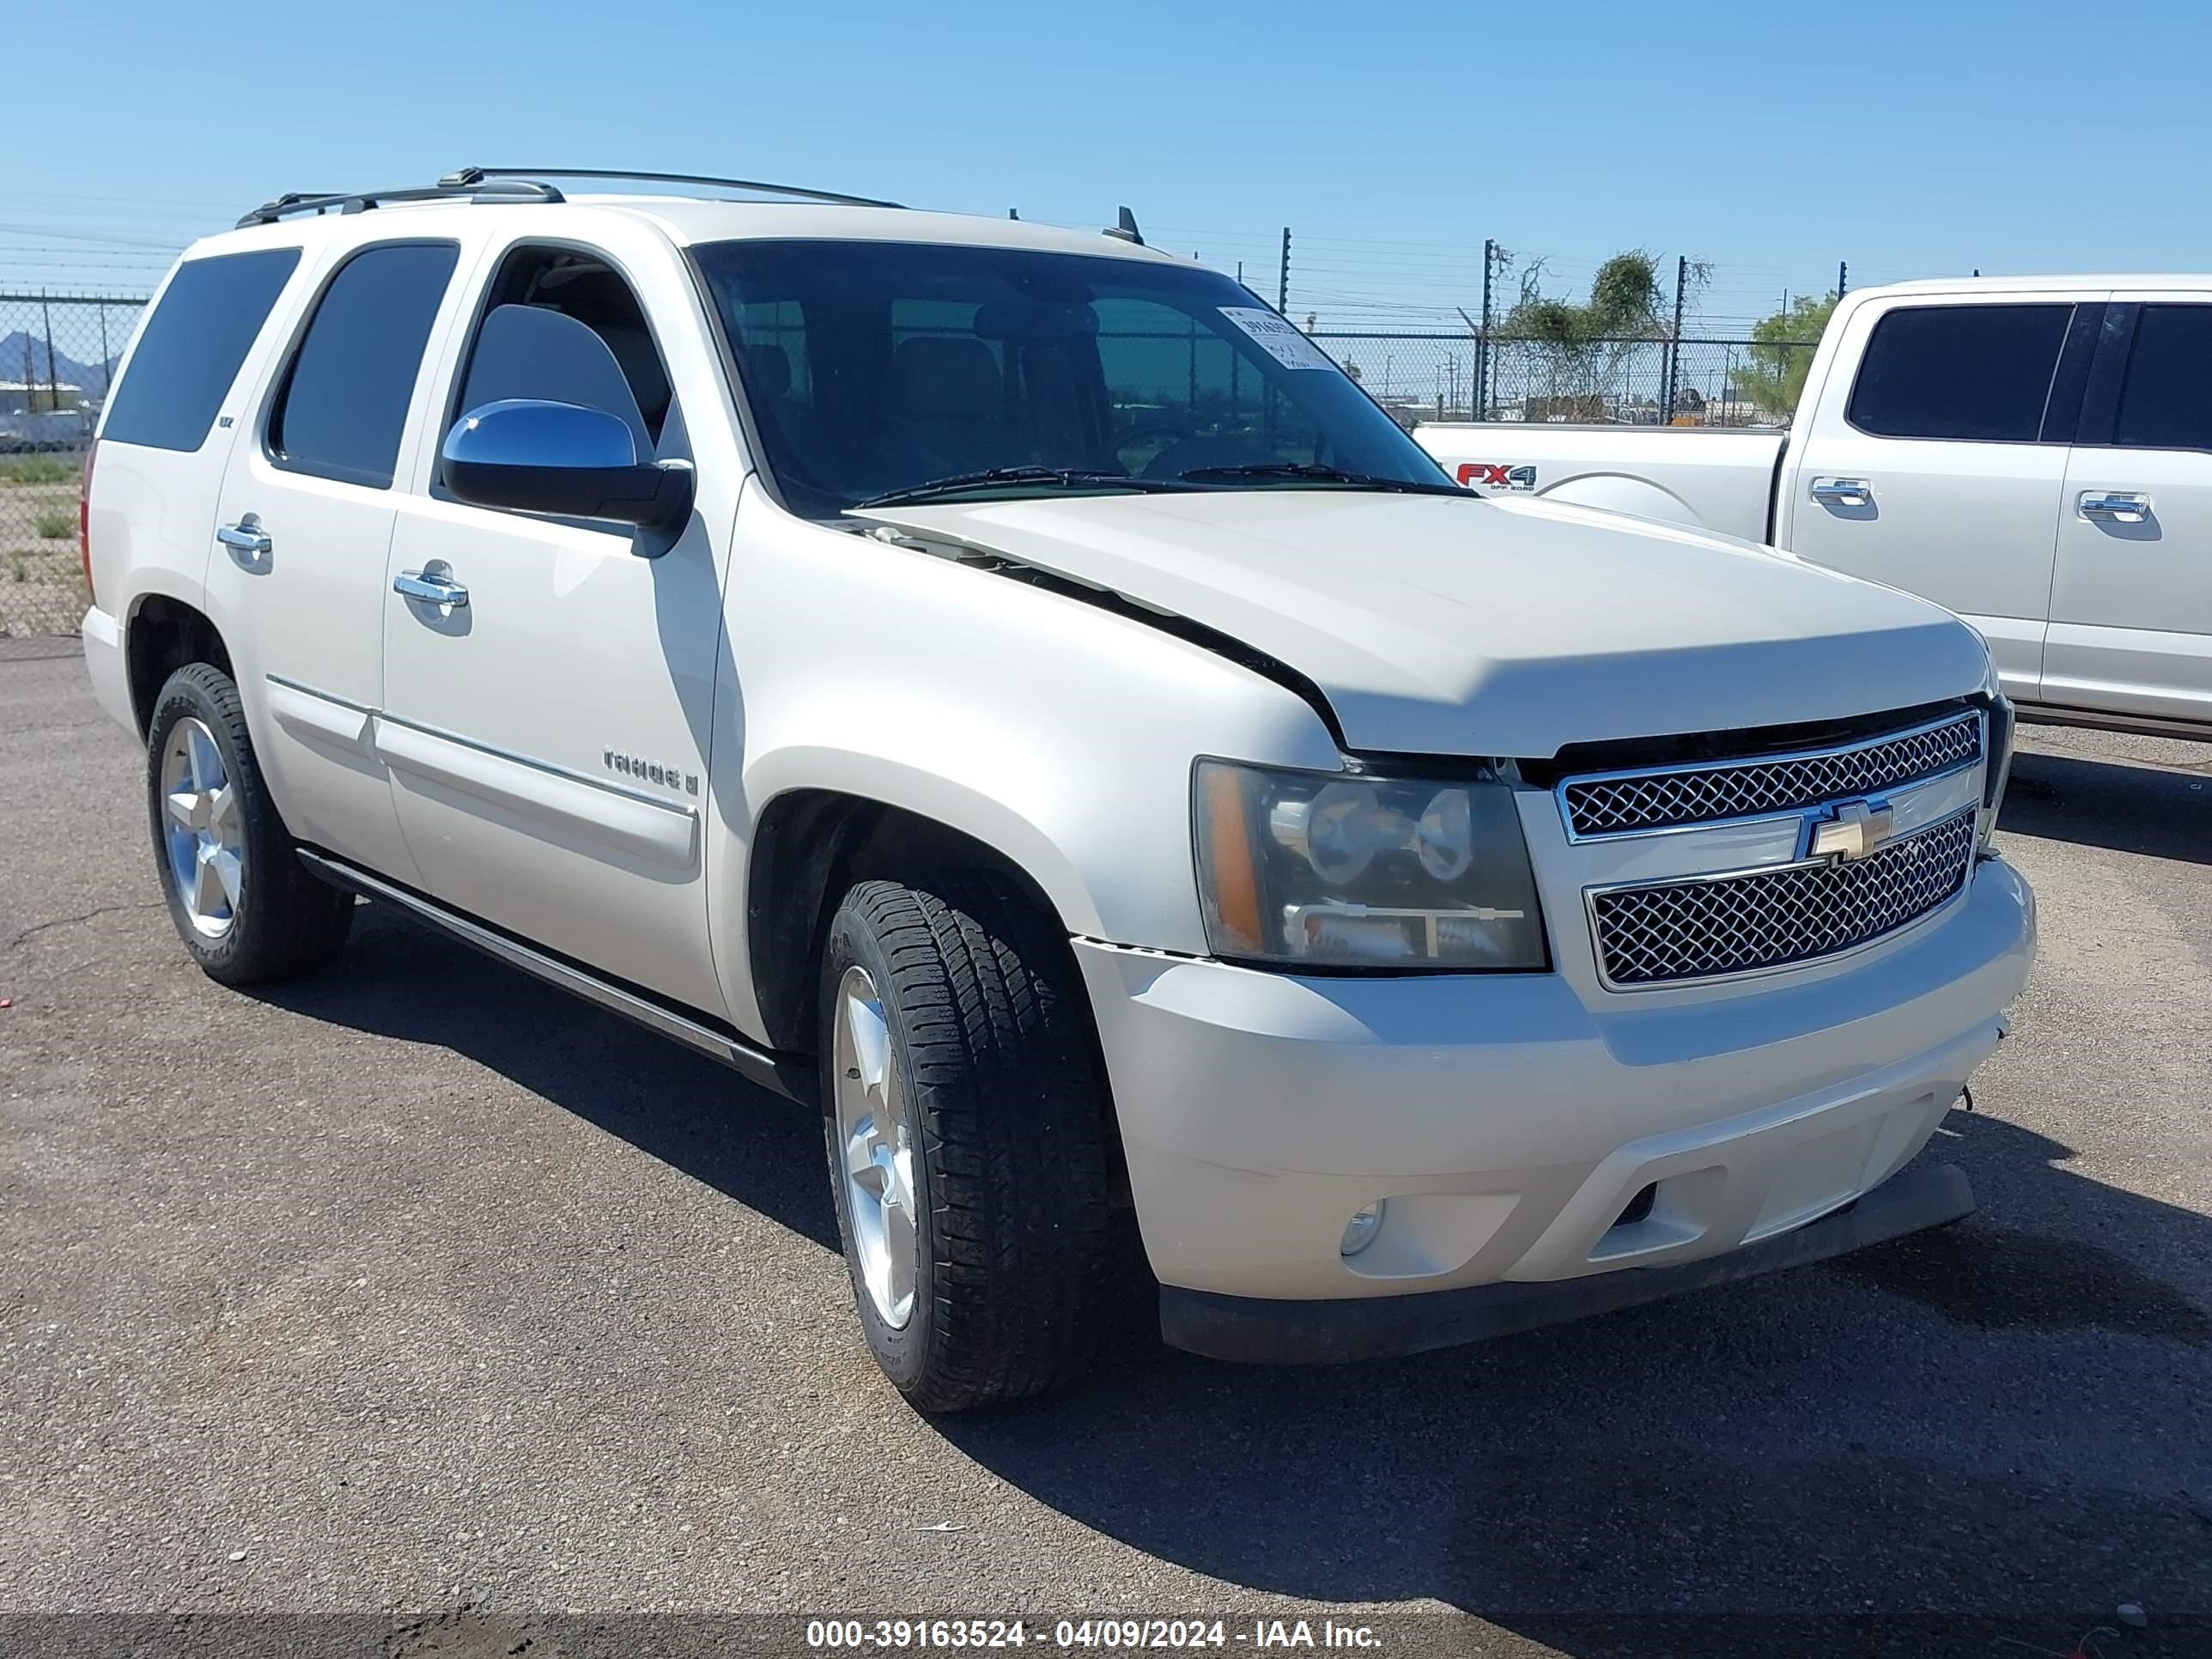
x,y
1854,829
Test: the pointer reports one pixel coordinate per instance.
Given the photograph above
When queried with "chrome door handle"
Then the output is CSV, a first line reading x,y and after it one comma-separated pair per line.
x,y
1843,492
431,590
2121,507
247,537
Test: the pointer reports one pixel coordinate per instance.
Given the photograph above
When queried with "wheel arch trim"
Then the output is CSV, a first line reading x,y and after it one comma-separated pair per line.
x,y
812,839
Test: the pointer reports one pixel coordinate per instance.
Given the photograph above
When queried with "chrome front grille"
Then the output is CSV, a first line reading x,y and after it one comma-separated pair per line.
x,y
1632,803
1740,923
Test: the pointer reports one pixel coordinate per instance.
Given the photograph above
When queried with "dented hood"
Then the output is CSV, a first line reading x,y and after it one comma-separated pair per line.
x,y
1436,625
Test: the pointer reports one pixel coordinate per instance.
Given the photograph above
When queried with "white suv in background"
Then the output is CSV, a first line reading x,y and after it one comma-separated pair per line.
x,y
1005,687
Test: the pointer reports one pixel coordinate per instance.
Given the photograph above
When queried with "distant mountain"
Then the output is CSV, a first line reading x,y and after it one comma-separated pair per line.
x,y
23,357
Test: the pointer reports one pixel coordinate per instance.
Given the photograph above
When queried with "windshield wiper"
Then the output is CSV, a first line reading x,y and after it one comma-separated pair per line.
x,y
1307,472
1055,477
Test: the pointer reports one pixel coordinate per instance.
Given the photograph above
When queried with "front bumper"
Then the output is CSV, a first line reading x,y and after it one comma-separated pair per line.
x,y
1274,1332
1509,1120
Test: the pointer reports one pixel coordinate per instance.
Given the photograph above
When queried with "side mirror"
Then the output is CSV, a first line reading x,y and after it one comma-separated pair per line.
x,y
561,460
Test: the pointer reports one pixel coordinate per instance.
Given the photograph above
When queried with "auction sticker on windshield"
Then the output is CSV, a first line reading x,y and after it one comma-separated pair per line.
x,y
1277,337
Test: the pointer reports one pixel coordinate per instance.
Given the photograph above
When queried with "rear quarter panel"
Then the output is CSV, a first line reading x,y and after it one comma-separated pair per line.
x,y
151,513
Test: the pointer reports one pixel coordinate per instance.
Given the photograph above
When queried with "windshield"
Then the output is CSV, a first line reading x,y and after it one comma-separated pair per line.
x,y
878,368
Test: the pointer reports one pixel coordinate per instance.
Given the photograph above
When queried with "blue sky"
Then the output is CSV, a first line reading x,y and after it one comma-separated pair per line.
x,y
1770,140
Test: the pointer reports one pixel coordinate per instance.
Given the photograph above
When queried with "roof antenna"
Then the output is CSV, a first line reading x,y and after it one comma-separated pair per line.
x,y
1013,213
1127,230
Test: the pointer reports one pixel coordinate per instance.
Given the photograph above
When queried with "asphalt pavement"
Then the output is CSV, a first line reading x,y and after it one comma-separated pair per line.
x,y
423,1293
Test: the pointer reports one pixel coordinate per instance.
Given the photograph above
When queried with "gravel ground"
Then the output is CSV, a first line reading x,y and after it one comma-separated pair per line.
x,y
421,1293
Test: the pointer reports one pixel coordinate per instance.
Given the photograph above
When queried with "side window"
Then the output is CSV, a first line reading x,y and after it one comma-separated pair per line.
x,y
1979,372
522,351
343,405
565,326
2165,403
192,346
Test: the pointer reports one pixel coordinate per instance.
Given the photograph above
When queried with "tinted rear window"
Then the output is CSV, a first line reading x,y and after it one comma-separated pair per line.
x,y
345,402
192,347
1973,372
2167,402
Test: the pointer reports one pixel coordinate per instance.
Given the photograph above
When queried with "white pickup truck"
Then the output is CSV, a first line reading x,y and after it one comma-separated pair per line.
x,y
2034,452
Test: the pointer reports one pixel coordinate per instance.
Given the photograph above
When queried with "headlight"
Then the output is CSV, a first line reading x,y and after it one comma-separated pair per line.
x,y
1328,870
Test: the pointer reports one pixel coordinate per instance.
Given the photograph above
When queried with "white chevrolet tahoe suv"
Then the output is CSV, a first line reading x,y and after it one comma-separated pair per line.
x,y
1005,688
2034,453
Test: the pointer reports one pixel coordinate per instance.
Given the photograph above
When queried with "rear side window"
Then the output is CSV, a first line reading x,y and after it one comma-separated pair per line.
x,y
192,346
2167,401
1971,372
343,405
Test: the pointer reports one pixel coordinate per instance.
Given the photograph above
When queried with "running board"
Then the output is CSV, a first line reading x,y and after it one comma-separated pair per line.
x,y
789,1075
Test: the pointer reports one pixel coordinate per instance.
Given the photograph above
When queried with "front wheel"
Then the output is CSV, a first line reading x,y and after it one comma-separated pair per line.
x,y
965,1119
245,907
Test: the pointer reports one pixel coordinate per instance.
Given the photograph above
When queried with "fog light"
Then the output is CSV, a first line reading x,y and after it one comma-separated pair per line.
x,y
1359,1231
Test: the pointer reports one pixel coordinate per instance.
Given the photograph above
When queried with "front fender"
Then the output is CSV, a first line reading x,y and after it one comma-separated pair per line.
x,y
1055,732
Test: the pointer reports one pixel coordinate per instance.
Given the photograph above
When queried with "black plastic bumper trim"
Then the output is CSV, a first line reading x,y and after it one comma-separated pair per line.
x,y
1335,1332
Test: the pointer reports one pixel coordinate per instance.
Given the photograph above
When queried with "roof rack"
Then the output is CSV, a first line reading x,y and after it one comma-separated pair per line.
x,y
359,201
467,178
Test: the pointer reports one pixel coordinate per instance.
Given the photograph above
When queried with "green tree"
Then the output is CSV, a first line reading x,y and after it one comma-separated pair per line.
x,y
1583,350
1774,380
1624,303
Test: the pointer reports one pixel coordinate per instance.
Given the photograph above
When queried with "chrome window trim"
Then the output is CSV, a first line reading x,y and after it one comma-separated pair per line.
x,y
1698,982
1788,757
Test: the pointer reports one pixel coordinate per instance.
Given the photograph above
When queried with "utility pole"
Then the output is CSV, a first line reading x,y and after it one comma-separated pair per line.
x,y
1673,379
1843,278
106,357
1481,399
1283,287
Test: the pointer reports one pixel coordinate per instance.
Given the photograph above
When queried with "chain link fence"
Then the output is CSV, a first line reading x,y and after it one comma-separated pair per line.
x,y
58,356
1690,382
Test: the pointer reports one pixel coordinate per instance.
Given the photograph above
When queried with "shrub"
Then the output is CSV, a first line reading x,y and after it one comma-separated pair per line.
x,y
37,469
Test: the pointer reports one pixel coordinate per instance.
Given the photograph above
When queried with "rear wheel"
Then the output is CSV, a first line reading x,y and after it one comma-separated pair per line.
x,y
244,905
965,1127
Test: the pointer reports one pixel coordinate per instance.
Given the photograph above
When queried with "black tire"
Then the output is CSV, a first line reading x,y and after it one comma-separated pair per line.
x,y
1005,1096
284,922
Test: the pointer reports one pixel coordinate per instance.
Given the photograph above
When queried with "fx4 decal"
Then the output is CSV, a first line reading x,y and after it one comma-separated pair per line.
x,y
1496,475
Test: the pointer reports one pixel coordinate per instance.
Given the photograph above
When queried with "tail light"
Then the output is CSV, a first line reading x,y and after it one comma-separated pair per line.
x,y
84,519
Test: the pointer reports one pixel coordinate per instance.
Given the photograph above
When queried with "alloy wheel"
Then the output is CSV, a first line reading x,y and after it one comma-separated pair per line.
x,y
875,1158
202,830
